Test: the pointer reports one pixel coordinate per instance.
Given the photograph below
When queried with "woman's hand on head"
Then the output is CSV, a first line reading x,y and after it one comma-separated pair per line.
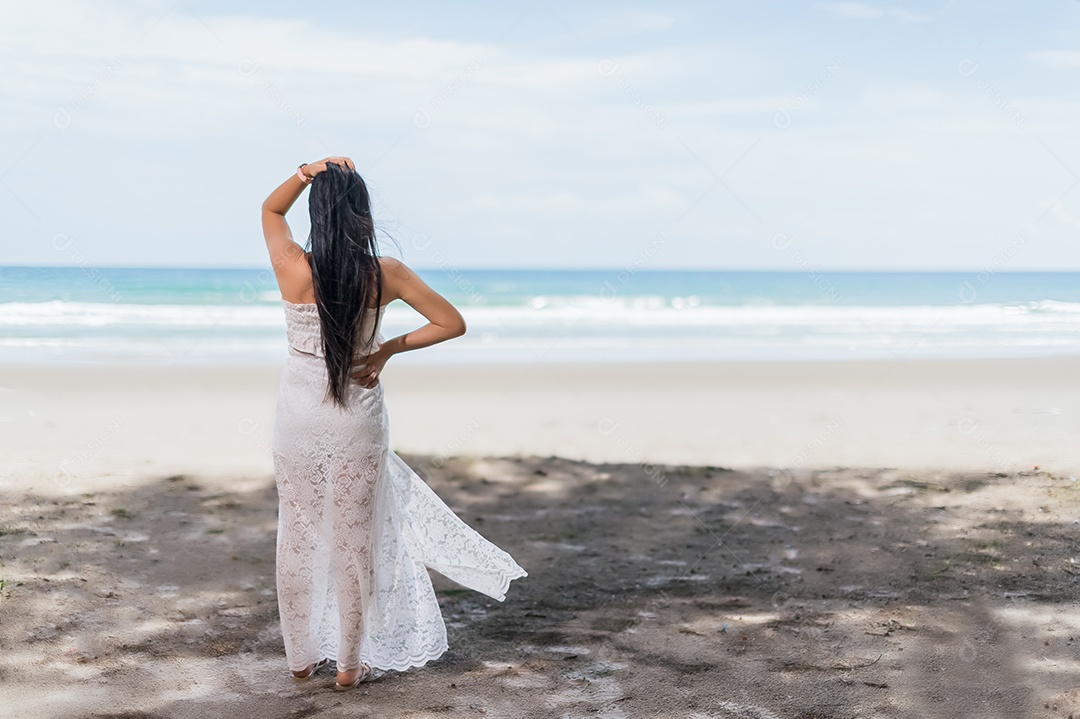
x,y
314,168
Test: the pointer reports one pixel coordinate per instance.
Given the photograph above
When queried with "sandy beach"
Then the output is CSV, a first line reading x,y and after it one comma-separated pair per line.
x,y
102,423
793,540
752,337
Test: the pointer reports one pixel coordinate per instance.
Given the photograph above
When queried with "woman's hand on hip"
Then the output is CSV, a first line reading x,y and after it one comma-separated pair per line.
x,y
366,371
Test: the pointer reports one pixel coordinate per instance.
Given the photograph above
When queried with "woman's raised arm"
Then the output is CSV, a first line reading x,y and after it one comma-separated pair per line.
x,y
276,232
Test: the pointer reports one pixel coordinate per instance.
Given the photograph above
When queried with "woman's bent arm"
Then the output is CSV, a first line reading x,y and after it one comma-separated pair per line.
x,y
444,321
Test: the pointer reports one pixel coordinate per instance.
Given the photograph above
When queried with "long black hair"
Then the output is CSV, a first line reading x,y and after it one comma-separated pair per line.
x,y
344,269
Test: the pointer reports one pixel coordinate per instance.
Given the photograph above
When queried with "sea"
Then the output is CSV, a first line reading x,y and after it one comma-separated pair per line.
x,y
82,314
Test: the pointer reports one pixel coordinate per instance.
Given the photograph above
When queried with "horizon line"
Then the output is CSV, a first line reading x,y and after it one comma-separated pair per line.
x,y
698,270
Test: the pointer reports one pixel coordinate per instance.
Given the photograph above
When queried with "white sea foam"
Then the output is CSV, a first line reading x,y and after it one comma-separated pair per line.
x,y
572,328
94,314
557,312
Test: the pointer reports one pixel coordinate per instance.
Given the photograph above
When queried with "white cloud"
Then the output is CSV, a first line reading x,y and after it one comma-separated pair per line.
x,y
525,140
635,21
1064,215
852,9
904,97
620,24
701,109
1056,59
862,10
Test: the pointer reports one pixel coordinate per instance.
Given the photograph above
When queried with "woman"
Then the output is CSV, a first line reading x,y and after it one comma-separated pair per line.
x,y
357,528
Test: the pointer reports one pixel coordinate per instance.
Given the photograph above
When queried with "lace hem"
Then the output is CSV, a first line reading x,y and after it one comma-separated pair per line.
x,y
439,539
401,664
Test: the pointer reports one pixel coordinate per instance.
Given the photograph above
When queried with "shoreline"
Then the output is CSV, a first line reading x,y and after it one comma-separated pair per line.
x,y
455,363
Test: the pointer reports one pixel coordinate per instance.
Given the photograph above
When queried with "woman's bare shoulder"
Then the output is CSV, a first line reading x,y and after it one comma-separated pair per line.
x,y
395,278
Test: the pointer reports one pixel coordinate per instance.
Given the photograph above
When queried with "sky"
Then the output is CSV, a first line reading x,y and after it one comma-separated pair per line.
x,y
550,134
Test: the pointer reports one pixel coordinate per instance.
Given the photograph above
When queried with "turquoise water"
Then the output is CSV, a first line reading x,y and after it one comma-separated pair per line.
x,y
89,314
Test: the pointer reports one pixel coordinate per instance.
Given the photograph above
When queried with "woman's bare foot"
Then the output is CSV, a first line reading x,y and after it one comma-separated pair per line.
x,y
352,677
347,678
310,669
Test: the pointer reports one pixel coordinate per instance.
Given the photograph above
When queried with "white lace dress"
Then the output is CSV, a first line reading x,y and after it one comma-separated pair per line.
x,y
357,528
